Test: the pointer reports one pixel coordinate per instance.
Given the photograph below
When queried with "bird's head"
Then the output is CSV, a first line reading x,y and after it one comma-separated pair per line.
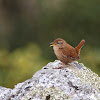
x,y
58,43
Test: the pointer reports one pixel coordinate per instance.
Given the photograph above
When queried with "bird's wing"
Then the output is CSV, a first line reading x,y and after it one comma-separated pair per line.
x,y
70,53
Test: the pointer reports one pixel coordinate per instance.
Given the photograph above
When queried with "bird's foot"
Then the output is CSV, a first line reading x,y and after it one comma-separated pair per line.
x,y
62,66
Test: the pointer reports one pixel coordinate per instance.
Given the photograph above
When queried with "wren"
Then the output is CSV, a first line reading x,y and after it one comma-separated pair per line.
x,y
65,52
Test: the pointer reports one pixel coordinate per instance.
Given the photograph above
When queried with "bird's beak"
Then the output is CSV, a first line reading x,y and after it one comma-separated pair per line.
x,y
52,44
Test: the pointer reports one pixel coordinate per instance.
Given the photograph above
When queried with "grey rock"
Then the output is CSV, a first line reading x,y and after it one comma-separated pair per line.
x,y
72,82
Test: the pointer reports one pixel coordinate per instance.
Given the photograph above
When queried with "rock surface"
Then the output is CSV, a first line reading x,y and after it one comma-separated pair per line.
x,y
73,82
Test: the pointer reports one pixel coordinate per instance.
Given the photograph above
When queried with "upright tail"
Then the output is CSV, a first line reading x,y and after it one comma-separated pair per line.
x,y
80,45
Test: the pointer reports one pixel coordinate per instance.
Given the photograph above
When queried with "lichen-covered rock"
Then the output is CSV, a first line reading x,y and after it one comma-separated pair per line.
x,y
4,93
72,82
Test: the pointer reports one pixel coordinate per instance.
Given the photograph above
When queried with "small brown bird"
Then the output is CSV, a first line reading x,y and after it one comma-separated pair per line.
x,y
65,52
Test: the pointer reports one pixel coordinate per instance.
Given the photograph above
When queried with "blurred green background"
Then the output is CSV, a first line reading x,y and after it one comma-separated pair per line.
x,y
28,26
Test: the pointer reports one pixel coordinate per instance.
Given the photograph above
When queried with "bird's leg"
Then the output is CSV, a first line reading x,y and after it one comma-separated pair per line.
x,y
62,66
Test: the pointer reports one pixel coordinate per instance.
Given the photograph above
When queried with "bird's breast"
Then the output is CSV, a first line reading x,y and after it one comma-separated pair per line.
x,y
58,52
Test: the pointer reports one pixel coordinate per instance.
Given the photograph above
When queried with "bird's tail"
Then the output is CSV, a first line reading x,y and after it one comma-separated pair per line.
x,y
80,45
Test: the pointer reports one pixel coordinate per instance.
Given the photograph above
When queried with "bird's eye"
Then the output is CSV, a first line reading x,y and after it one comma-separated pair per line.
x,y
58,42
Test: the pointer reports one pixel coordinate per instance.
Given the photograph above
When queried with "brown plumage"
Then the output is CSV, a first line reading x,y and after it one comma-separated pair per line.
x,y
65,52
